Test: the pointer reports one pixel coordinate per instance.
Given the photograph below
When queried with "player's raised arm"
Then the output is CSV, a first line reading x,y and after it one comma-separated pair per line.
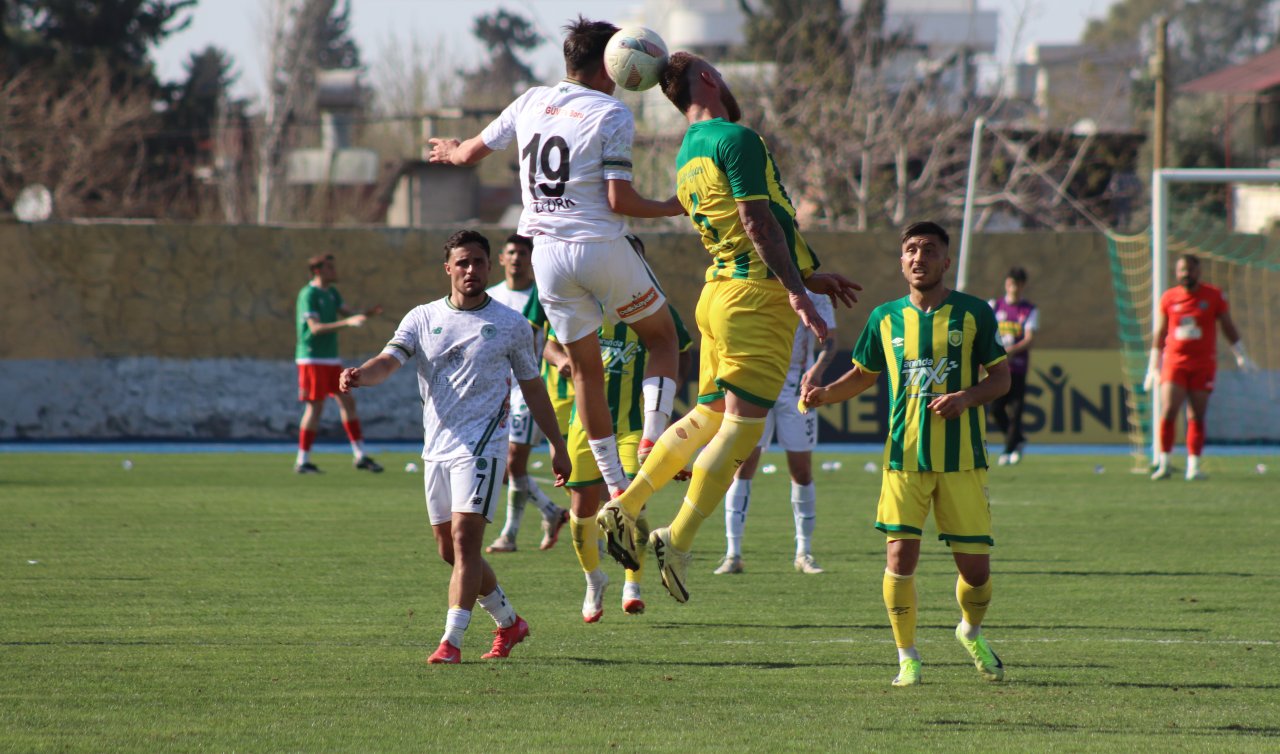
x,y
454,152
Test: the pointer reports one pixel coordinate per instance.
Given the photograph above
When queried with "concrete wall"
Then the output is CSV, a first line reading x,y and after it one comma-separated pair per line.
x,y
143,330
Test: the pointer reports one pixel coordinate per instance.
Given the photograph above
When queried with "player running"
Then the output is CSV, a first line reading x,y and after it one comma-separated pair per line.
x,y
456,344
933,343
797,433
747,314
575,150
1184,360
515,291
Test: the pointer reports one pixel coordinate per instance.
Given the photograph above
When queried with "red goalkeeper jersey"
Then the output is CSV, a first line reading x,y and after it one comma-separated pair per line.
x,y
1192,317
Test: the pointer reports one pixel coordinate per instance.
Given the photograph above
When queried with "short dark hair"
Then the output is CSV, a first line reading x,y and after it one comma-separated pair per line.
x,y
464,237
926,228
1017,275
584,45
676,81
520,240
1190,259
316,262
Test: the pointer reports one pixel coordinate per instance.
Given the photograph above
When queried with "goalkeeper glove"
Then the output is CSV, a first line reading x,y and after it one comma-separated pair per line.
x,y
1152,379
1242,359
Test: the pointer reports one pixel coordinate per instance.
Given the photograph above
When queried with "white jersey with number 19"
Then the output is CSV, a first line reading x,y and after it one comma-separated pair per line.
x,y
572,139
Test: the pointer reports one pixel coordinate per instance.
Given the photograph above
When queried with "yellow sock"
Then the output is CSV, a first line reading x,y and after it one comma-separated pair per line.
x,y
670,454
900,601
585,532
974,600
712,475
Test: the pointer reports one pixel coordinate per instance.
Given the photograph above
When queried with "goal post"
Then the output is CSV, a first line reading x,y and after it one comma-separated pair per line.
x,y
1259,262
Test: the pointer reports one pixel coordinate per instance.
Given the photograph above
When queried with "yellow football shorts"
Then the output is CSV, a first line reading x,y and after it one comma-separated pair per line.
x,y
564,412
747,329
585,472
960,505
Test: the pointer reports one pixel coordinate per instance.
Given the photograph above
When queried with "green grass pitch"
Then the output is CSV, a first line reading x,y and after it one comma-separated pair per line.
x,y
221,603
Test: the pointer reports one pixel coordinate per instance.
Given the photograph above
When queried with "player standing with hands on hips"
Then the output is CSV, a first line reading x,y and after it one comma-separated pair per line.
x,y
1184,360
934,343
575,152
458,344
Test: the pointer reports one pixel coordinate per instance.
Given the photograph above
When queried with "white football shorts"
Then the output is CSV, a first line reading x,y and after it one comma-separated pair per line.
x,y
583,283
462,485
796,432
523,429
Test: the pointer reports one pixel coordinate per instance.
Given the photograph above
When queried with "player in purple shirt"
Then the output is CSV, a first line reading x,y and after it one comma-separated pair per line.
x,y
1017,319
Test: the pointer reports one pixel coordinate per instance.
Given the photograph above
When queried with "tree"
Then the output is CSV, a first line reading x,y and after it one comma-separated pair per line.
x,y
84,142
495,82
1204,35
65,38
337,49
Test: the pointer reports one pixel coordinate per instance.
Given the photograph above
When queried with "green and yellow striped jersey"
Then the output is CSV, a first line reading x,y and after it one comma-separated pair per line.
x,y
720,164
624,359
929,354
558,387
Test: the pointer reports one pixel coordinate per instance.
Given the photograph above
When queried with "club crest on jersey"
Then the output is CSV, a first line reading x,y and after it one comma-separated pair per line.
x,y
482,463
955,337
488,331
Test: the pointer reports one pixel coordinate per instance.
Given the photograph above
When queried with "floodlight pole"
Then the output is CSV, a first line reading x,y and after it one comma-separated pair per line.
x,y
966,233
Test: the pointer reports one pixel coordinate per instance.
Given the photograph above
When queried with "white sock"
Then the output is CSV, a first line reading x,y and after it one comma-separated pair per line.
x,y
1162,460
496,605
304,456
605,451
455,625
357,449
804,505
515,510
1193,465
736,502
909,652
630,591
970,631
659,399
545,504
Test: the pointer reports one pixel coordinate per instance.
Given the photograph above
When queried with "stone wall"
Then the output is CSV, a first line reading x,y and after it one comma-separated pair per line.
x,y
146,330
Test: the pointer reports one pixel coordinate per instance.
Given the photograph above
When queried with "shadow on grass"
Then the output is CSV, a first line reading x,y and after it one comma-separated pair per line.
x,y
1267,731
1127,574
745,664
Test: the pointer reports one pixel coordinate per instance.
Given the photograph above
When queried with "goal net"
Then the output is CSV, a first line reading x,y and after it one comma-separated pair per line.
x,y
1229,219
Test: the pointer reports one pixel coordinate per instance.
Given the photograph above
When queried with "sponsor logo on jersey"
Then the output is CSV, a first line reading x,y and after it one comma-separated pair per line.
x,y
925,373
436,331
898,342
639,304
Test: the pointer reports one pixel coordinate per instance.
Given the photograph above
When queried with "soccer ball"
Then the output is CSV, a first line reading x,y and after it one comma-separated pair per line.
x,y
635,57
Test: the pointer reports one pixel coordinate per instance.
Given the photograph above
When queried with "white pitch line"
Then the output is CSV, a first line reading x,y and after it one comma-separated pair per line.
x,y
1004,640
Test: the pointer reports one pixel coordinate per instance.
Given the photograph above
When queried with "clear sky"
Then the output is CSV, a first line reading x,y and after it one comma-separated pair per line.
x,y
235,26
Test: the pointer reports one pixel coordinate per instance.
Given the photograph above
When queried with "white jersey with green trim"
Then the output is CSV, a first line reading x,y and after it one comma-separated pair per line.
x,y
465,360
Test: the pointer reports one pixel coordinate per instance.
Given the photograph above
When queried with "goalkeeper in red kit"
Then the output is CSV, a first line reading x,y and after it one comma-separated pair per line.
x,y
1183,360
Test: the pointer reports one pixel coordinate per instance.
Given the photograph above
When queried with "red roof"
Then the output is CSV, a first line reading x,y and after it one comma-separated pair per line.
x,y
1253,75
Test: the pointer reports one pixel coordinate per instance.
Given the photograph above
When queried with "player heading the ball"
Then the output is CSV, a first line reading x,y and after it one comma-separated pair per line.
x,y
574,142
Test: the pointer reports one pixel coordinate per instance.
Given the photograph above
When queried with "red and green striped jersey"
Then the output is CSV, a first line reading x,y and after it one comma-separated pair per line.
x,y
929,354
